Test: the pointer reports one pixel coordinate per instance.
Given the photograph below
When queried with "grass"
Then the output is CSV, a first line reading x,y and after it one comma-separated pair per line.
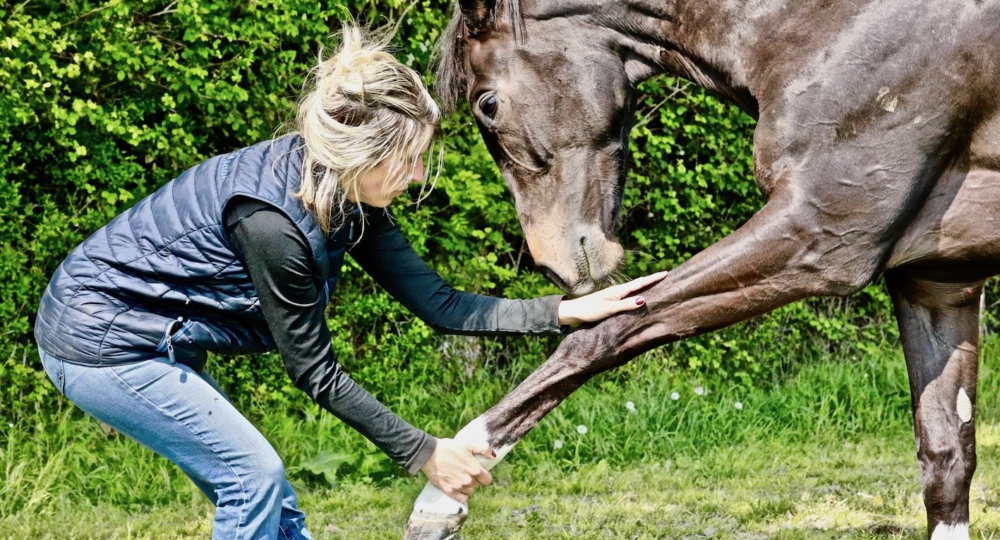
x,y
826,453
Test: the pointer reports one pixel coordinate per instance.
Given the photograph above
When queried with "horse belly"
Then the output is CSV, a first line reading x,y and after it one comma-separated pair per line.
x,y
956,235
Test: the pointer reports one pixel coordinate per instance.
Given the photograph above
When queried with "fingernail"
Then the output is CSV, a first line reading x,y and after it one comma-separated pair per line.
x,y
639,301
493,453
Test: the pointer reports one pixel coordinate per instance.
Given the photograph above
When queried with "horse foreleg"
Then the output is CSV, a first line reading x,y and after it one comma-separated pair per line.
x,y
939,326
768,263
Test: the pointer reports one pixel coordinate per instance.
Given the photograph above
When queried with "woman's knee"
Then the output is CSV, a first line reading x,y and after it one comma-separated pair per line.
x,y
266,474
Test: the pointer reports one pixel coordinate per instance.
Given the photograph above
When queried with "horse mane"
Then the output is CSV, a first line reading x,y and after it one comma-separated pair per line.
x,y
452,82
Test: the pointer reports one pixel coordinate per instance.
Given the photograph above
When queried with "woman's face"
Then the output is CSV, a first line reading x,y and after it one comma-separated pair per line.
x,y
376,191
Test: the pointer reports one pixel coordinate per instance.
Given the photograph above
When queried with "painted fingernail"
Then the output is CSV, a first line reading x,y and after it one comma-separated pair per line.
x,y
639,301
493,453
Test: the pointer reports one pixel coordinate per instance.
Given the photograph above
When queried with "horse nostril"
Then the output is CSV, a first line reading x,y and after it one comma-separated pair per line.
x,y
553,277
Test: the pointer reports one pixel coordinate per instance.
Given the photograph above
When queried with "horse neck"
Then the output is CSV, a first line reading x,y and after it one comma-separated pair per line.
x,y
738,49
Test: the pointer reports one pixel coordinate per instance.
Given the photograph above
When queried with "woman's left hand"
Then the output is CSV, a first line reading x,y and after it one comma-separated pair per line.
x,y
606,302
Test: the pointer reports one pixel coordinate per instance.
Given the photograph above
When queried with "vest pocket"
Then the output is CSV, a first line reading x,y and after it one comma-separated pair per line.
x,y
180,346
174,328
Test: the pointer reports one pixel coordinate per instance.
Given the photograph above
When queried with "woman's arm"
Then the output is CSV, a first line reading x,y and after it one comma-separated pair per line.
x,y
387,256
278,260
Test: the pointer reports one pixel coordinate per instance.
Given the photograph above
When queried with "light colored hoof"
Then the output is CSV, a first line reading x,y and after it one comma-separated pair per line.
x,y
435,516
423,526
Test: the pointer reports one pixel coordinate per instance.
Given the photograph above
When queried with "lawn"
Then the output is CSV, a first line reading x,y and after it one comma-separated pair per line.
x,y
826,453
762,489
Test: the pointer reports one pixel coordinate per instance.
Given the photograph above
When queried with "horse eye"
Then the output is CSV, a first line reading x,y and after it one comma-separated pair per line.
x,y
488,106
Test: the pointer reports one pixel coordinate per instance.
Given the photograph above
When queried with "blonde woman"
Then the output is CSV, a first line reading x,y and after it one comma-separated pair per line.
x,y
241,254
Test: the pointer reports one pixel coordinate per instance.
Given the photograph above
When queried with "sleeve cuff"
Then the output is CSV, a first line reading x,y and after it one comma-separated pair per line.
x,y
423,453
550,305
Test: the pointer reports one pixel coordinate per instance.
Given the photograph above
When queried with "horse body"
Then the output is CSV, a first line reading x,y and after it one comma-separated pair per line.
x,y
877,146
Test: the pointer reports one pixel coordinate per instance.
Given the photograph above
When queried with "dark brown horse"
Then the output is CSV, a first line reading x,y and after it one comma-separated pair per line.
x,y
877,145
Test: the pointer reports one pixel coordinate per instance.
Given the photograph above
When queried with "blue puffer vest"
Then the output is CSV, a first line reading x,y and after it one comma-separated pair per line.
x,y
161,278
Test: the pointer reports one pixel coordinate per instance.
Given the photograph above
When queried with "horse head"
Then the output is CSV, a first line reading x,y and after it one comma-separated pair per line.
x,y
556,119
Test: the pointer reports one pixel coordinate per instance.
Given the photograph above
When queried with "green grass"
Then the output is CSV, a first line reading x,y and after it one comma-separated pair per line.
x,y
827,452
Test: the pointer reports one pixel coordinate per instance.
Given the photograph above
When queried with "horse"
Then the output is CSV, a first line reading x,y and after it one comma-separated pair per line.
x,y
877,148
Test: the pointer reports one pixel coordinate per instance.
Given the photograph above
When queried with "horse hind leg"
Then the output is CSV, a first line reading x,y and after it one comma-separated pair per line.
x,y
939,327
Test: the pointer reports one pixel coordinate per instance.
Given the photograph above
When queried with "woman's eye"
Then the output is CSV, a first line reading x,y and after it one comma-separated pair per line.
x,y
488,106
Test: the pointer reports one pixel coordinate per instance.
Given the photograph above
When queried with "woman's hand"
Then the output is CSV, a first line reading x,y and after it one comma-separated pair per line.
x,y
606,302
454,470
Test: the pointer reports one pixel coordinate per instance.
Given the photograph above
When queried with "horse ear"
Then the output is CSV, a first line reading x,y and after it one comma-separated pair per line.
x,y
477,13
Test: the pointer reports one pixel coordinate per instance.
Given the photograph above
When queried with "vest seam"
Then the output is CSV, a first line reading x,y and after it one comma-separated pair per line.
x,y
147,255
111,324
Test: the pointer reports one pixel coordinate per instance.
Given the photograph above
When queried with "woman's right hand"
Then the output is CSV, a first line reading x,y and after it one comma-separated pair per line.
x,y
453,468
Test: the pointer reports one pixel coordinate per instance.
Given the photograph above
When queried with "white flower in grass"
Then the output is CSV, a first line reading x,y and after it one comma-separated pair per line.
x,y
738,405
630,406
11,425
557,443
581,429
674,396
699,391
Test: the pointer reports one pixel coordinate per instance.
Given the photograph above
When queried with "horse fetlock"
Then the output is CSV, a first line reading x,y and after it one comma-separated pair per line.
x,y
956,531
476,433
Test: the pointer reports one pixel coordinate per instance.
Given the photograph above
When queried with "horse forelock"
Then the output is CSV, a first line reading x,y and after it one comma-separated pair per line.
x,y
452,81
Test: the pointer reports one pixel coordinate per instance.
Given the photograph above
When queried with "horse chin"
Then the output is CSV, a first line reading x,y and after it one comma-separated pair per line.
x,y
584,287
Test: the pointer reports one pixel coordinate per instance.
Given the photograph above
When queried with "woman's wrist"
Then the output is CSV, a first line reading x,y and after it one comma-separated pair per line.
x,y
567,316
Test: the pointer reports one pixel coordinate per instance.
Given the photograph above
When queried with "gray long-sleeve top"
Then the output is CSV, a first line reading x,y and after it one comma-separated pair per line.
x,y
277,257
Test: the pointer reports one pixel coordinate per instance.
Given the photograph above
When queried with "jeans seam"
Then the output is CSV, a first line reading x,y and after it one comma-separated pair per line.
x,y
62,377
239,524
284,532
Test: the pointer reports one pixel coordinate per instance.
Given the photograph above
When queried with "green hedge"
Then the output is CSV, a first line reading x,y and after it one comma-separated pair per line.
x,y
103,102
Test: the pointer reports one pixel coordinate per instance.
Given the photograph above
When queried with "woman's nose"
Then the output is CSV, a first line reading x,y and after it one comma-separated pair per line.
x,y
417,175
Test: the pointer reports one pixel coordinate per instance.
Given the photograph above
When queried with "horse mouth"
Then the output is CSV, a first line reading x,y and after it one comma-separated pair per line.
x,y
586,283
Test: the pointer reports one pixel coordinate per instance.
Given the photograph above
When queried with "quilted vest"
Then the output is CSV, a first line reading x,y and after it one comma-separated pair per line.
x,y
162,278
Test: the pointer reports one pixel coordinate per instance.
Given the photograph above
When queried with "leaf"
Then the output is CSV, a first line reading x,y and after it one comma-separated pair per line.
x,y
326,464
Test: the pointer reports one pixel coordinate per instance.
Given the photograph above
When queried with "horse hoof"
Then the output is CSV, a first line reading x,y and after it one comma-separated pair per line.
x,y
425,526
435,516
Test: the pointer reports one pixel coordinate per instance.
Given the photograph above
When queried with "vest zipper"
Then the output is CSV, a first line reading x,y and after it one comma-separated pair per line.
x,y
170,338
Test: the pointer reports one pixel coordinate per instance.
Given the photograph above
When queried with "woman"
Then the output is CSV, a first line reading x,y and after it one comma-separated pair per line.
x,y
241,254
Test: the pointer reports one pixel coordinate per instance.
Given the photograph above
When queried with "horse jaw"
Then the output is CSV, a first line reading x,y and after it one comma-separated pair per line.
x,y
437,516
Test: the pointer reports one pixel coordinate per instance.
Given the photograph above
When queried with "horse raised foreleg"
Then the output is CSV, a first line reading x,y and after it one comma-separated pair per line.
x,y
939,326
778,257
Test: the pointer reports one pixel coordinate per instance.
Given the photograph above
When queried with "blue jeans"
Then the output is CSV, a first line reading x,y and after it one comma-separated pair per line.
x,y
182,415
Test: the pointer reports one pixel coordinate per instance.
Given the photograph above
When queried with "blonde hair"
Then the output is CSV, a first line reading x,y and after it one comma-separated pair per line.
x,y
364,107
